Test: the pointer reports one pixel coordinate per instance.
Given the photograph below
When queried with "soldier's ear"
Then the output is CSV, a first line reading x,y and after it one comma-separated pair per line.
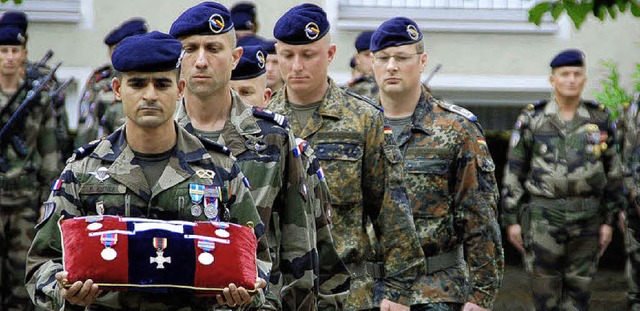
x,y
115,86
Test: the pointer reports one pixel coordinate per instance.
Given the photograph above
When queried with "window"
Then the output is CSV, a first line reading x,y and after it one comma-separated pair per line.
x,y
488,16
61,11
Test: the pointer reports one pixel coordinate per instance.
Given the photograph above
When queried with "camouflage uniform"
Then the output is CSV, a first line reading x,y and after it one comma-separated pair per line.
x,y
631,169
451,184
365,86
562,182
23,188
126,192
100,113
287,202
347,135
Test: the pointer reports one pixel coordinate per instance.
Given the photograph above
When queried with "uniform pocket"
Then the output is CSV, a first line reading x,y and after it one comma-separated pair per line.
x,y
342,163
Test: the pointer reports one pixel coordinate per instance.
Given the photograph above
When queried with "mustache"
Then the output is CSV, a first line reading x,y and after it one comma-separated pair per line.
x,y
149,105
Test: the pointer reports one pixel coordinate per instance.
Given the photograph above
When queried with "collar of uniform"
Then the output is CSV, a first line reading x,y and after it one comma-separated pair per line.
x,y
242,116
188,148
552,109
423,108
331,105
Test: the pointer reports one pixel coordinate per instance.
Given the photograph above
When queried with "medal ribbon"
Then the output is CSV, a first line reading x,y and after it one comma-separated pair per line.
x,y
160,243
109,239
196,192
206,245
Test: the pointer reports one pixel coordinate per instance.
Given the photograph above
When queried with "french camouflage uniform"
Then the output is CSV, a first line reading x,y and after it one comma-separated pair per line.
x,y
286,196
23,187
631,168
347,135
365,86
124,191
562,182
451,185
100,113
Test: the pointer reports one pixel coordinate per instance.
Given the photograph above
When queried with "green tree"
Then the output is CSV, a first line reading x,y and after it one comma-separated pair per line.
x,y
612,94
578,10
14,1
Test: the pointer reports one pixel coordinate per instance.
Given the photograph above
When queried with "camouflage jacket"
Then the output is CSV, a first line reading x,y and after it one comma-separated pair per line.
x,y
365,86
631,155
450,180
124,191
550,159
100,113
31,174
348,136
285,195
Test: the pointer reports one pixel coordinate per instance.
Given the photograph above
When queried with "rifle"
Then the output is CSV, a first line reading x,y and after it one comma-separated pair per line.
x,y
6,134
431,74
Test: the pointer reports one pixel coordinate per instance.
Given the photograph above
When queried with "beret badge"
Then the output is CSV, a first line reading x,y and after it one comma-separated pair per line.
x,y
261,59
216,23
312,30
413,32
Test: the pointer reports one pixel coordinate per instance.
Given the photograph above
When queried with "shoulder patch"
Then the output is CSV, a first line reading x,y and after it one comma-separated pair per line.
x,y
214,146
49,208
458,110
537,105
267,114
84,151
366,99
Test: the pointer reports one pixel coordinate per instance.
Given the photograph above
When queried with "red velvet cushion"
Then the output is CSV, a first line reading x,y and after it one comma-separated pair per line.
x,y
135,265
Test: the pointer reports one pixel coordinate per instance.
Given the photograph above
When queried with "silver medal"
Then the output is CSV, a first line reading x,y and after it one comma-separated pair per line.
x,y
222,233
94,226
108,254
205,258
211,211
196,210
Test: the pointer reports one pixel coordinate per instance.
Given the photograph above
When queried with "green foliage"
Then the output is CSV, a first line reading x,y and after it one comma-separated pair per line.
x,y
14,1
613,95
579,10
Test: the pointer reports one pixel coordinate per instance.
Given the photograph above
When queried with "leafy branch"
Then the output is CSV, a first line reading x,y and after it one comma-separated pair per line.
x,y
578,10
613,95
14,1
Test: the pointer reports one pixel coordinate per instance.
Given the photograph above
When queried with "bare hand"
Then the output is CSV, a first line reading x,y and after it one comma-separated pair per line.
x,y
234,296
514,234
388,305
81,294
606,232
622,217
473,307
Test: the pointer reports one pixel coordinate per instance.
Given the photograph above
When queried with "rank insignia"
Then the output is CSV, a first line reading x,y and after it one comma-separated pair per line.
x,y
206,174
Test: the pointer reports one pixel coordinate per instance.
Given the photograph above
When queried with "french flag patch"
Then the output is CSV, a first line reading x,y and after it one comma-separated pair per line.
x,y
57,184
320,173
246,182
296,151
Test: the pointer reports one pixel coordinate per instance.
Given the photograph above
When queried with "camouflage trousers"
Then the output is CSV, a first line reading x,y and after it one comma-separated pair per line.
x,y
562,255
632,269
442,306
17,220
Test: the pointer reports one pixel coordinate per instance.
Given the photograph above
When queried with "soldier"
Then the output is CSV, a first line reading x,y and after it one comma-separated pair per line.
x,y
29,160
151,159
449,175
248,79
100,113
267,152
631,169
562,187
274,77
363,84
243,16
347,135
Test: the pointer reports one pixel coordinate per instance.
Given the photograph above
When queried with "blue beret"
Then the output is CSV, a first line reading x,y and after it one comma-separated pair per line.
x,y
251,63
572,57
249,40
269,46
243,16
11,35
302,24
151,52
363,41
130,27
206,18
395,32
15,18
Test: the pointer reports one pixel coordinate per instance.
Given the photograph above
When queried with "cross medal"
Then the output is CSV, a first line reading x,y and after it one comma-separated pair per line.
x,y
160,244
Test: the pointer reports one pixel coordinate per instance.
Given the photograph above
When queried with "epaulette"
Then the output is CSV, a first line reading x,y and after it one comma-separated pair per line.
x,y
366,99
83,151
458,110
537,105
267,114
594,104
214,146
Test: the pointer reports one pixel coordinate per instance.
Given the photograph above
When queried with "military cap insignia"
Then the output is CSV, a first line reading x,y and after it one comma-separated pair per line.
x,y
20,38
261,59
312,30
413,32
216,23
